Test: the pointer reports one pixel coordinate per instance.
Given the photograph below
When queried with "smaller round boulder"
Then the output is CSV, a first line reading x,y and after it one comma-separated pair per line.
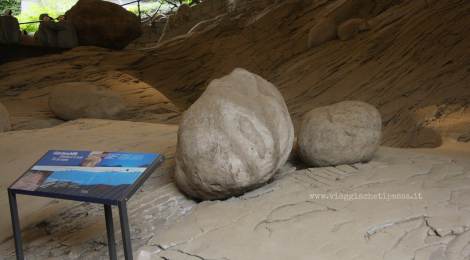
x,y
323,31
75,100
344,133
5,124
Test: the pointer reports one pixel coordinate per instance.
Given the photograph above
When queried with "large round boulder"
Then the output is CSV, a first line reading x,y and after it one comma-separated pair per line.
x,y
104,24
233,138
343,133
5,124
75,100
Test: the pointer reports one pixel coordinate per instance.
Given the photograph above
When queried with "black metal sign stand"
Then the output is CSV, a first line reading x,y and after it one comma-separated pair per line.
x,y
109,228
121,203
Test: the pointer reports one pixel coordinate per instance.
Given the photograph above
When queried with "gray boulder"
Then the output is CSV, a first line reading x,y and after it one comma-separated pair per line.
x,y
233,138
343,133
5,124
75,100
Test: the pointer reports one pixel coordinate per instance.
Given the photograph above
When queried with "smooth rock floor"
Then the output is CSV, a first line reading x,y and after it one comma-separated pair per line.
x,y
288,218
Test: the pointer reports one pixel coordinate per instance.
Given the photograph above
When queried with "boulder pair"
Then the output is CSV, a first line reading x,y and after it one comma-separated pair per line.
x,y
237,135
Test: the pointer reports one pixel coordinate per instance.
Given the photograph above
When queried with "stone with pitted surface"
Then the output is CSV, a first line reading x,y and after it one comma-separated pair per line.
x,y
233,138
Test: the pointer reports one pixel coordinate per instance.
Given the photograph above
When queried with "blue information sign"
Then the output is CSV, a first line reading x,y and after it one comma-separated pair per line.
x,y
109,178
86,175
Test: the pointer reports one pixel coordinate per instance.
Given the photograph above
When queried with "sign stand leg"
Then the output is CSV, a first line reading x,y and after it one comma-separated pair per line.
x,y
108,214
126,238
16,225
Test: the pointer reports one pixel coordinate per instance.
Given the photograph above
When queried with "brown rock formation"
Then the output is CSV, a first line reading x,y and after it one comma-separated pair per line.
x,y
25,86
187,17
104,24
4,119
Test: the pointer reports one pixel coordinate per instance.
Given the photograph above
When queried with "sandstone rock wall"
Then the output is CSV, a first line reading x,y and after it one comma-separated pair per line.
x,y
187,17
412,63
412,56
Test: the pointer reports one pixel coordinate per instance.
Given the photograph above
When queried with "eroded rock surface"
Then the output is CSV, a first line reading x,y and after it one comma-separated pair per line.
x,y
378,67
76,100
188,17
38,123
403,205
351,28
25,90
5,124
233,138
324,30
414,204
343,133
